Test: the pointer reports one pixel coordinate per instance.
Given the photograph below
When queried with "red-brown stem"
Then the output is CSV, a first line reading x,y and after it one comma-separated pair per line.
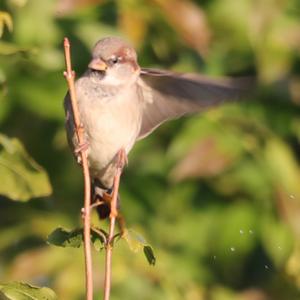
x,y
109,245
70,76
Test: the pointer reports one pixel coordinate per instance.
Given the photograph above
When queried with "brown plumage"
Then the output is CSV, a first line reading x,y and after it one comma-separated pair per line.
x,y
121,103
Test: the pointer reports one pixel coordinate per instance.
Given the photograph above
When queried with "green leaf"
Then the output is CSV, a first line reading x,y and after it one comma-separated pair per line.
x,y
61,237
3,297
148,251
18,3
21,177
24,291
7,48
283,165
5,20
137,242
277,240
134,240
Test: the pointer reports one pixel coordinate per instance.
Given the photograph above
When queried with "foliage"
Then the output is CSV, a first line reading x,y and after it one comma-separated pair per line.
x,y
22,291
22,178
217,195
63,238
5,20
136,243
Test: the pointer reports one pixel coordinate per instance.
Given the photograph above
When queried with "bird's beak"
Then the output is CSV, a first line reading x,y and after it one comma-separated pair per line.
x,y
97,64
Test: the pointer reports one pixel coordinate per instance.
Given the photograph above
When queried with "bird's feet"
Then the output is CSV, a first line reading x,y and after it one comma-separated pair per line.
x,y
104,201
82,147
79,148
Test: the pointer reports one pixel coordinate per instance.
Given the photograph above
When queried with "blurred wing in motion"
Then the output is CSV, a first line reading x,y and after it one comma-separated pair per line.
x,y
167,95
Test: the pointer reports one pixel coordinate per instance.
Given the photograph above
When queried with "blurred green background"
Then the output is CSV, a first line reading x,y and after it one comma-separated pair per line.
x,y
216,195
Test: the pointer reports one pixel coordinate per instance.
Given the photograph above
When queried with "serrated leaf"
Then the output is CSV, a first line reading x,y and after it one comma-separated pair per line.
x,y
5,20
61,237
24,291
21,177
136,242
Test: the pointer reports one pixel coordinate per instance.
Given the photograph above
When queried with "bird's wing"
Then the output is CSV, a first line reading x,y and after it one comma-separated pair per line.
x,y
167,95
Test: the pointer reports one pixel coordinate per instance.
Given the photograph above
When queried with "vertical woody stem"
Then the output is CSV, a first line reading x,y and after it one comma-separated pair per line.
x,y
70,77
112,216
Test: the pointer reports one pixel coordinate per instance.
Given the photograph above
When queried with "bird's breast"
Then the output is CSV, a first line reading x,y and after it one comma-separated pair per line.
x,y
110,123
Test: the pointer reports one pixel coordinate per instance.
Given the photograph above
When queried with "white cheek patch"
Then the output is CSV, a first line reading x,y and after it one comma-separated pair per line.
x,y
119,76
110,79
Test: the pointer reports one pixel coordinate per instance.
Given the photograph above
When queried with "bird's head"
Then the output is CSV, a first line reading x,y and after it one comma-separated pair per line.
x,y
114,62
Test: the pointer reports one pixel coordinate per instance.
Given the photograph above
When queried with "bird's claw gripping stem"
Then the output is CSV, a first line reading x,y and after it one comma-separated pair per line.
x,y
82,147
106,198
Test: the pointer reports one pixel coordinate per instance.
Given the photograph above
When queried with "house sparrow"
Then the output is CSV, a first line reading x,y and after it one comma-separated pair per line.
x,y
120,103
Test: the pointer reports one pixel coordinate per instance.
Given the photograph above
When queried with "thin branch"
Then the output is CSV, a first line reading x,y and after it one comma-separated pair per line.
x,y
70,76
101,234
112,217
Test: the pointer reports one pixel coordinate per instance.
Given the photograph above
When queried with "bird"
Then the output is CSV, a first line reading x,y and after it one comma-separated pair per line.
x,y
121,103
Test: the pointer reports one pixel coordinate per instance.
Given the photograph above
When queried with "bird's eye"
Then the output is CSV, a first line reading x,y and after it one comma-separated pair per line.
x,y
114,60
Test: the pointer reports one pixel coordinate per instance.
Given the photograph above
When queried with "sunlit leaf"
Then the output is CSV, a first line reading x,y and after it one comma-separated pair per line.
x,y
190,22
134,18
277,240
136,242
24,291
3,297
21,177
275,37
283,165
17,3
5,20
7,48
236,236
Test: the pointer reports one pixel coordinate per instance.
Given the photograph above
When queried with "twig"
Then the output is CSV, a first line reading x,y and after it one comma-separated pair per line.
x,y
112,217
70,76
101,234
